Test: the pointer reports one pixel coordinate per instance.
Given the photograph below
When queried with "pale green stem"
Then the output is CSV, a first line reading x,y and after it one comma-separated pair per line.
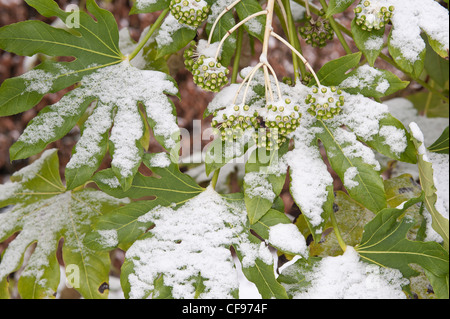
x,y
150,32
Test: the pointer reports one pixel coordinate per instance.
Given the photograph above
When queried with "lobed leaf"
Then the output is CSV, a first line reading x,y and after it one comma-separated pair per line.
x,y
44,212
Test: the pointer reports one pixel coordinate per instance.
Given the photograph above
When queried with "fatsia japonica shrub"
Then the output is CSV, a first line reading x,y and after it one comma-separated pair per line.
x,y
380,235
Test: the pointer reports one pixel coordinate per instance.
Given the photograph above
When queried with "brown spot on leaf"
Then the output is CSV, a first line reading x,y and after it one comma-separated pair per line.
x,y
103,287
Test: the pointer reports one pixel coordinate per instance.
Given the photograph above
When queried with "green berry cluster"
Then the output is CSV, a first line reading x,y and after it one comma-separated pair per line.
x,y
232,126
282,118
190,12
372,16
209,74
317,32
269,126
325,103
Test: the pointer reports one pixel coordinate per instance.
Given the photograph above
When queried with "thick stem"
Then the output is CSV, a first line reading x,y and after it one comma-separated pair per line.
x,y
215,178
237,55
268,30
292,34
231,6
150,32
247,78
237,26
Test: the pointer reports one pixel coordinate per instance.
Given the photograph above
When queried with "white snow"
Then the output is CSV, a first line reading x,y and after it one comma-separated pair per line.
x,y
257,185
161,160
410,18
194,240
347,277
288,238
309,176
349,175
367,76
120,87
395,138
440,165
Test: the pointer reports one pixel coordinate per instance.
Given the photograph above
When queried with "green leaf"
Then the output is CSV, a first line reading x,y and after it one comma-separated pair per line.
x,y
255,27
337,6
219,153
295,277
436,67
140,6
369,42
372,82
384,243
441,145
334,72
225,23
271,218
351,218
106,77
94,46
380,144
168,186
261,273
426,174
261,186
189,243
415,67
361,179
44,212
180,36
434,105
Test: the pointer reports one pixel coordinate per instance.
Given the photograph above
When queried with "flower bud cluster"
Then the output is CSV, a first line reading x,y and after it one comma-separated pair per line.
x,y
317,32
373,15
325,103
190,12
208,73
270,126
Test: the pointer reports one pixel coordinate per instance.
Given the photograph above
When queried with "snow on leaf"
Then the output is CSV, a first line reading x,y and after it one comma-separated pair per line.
x,y
342,277
191,244
43,212
94,46
434,177
106,78
118,90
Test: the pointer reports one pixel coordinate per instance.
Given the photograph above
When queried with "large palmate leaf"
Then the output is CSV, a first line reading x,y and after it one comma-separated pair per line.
x,y
42,211
187,252
168,187
93,44
116,88
384,243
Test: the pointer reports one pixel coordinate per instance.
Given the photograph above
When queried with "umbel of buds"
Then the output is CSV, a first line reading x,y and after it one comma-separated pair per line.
x,y
190,12
269,126
372,16
325,103
317,32
208,73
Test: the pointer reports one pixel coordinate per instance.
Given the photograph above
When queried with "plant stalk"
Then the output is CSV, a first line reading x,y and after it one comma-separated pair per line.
x,y
341,242
150,32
